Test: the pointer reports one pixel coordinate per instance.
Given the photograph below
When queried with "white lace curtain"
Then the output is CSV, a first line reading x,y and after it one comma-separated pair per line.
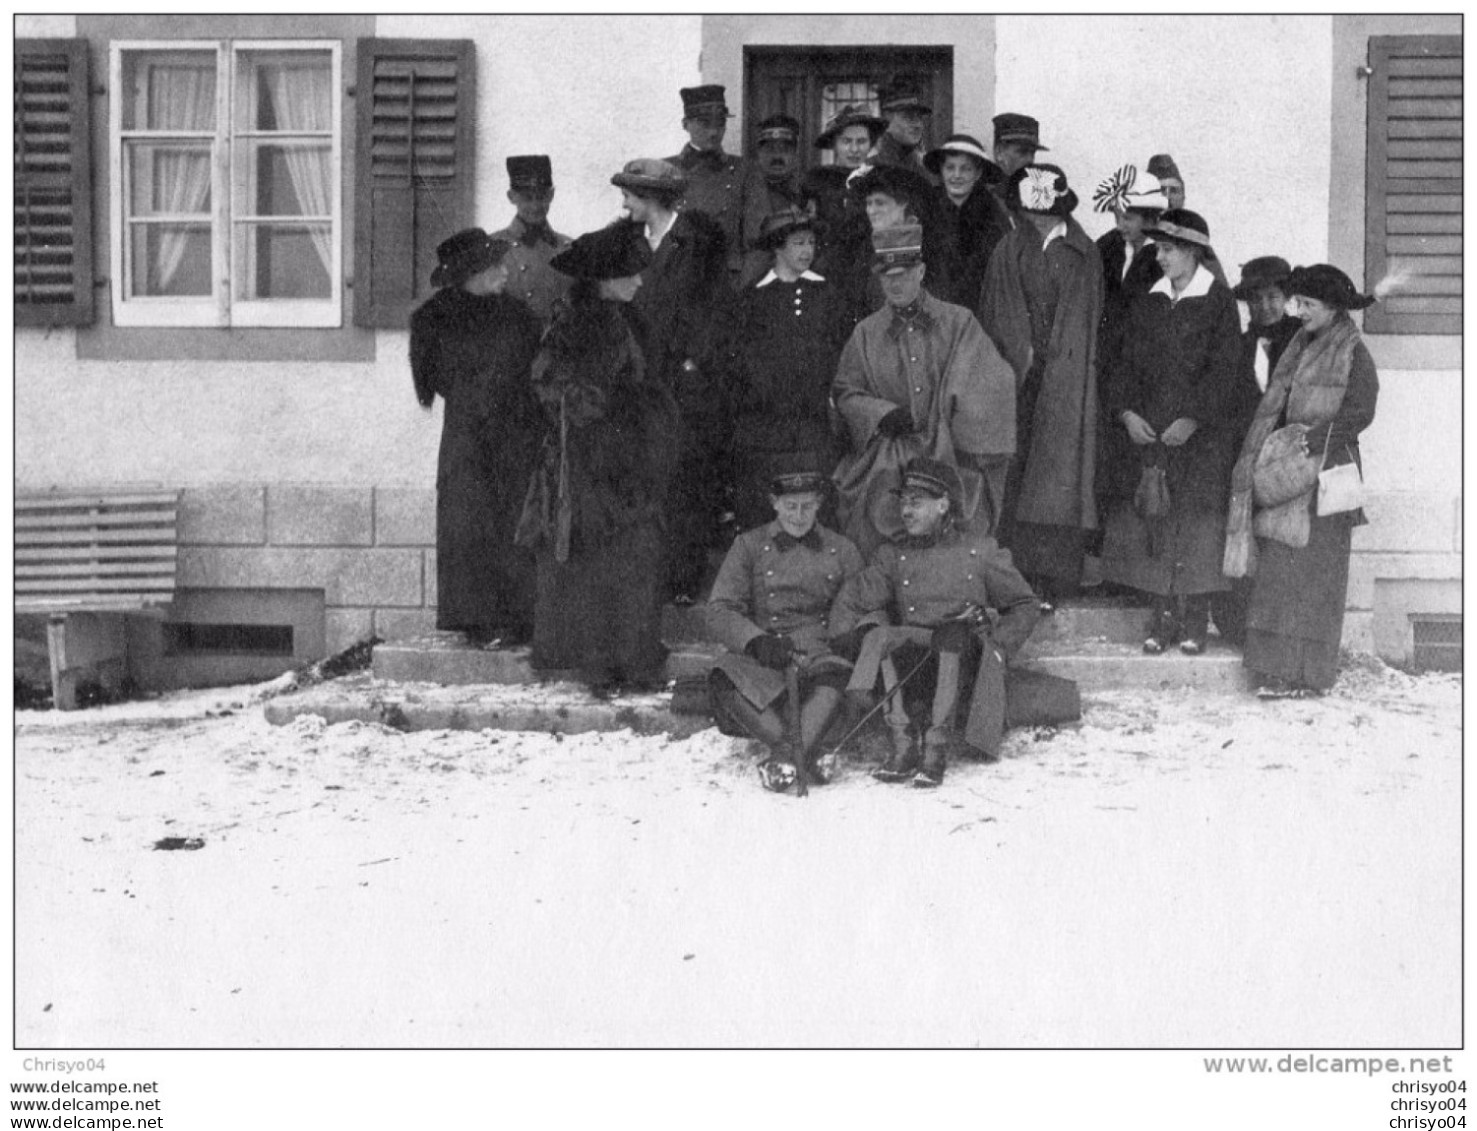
x,y
302,101
180,97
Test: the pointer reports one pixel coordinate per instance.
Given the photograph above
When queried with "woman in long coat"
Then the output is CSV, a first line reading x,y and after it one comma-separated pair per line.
x,y
1040,304
596,506
472,345
1171,392
1325,382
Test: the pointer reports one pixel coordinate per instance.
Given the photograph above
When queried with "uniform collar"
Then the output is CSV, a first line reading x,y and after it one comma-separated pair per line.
x,y
918,314
771,277
783,541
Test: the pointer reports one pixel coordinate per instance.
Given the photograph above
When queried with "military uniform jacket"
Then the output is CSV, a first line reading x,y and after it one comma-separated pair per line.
x,y
924,583
530,277
731,191
771,583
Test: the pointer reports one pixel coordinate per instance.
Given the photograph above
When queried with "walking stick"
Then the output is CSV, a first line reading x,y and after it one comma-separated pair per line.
x,y
887,698
792,721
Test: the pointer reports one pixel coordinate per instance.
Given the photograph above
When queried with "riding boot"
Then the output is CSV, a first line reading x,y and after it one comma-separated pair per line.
x,y
815,719
940,732
903,760
777,770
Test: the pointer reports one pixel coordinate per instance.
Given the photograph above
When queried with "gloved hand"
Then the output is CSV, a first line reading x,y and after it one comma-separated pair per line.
x,y
952,636
849,644
898,422
773,649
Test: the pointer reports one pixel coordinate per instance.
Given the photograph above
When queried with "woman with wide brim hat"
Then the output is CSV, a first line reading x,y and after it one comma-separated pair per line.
x,y
973,218
1170,398
595,513
471,344
849,135
1297,552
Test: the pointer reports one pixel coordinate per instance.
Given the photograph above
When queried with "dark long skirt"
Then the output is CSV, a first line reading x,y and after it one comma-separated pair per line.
x,y
1296,620
484,582
599,614
1179,556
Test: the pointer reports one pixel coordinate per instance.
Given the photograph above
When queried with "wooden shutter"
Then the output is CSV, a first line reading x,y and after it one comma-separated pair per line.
x,y
1413,208
414,188
53,184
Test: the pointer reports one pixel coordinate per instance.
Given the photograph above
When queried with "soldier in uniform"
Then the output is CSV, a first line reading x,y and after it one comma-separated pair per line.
x,y
1017,138
533,242
907,116
921,607
725,187
779,160
770,605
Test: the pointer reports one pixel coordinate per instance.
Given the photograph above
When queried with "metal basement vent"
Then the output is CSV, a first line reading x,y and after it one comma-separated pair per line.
x,y
1438,643
186,639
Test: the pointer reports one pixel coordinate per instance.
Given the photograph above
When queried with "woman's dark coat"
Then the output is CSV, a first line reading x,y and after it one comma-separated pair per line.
x,y
474,352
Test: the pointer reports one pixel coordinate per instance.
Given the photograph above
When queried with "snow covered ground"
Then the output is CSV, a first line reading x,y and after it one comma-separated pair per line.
x,y
1183,869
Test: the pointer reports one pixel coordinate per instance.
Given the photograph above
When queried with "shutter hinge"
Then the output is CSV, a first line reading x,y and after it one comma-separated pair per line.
x,y
1363,72
351,91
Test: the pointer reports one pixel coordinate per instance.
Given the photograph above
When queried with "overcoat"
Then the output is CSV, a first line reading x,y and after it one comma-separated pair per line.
x,y
770,582
730,191
474,352
530,277
971,232
941,367
1053,352
923,583
1180,359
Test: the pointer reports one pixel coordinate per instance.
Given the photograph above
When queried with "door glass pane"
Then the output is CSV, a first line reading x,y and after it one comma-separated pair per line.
x,y
170,260
283,261
169,90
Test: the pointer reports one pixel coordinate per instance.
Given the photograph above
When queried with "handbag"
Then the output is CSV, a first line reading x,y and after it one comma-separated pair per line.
x,y
1151,498
1284,470
1340,488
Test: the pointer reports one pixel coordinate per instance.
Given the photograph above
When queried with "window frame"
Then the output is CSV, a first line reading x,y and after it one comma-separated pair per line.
x,y
222,308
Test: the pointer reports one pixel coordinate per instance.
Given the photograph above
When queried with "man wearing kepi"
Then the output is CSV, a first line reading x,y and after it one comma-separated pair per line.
x,y
919,377
724,187
771,605
919,613
532,242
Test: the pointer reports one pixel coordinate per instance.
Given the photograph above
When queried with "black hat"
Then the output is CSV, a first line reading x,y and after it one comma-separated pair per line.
x,y
614,252
469,252
651,174
1328,285
530,172
902,184
701,101
933,477
778,127
933,161
902,94
1182,226
1264,271
777,226
1017,127
1042,189
797,472
849,116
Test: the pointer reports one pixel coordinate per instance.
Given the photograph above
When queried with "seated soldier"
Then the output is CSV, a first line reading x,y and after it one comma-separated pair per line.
x,y
936,582
771,604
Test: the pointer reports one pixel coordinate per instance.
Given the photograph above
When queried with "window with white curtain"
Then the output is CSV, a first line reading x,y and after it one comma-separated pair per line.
x,y
226,201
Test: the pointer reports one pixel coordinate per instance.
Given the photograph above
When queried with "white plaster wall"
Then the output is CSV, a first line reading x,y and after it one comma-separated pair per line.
x,y
590,91
1241,102
1415,443
45,27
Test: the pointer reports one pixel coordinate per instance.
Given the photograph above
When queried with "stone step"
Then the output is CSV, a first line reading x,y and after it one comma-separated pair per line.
x,y
1107,666
446,658
549,708
1095,620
